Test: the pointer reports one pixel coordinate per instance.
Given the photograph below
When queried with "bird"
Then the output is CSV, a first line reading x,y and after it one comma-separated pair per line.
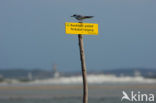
x,y
80,17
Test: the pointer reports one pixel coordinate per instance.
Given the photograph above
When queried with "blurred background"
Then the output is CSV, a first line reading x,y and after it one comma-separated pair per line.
x,y
39,63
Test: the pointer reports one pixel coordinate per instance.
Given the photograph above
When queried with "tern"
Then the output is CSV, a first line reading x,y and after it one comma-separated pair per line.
x,y
80,17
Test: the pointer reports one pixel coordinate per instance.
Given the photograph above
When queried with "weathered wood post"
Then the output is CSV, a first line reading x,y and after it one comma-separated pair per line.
x,y
83,67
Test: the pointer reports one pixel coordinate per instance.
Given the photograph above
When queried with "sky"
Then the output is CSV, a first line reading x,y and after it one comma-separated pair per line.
x,y
32,34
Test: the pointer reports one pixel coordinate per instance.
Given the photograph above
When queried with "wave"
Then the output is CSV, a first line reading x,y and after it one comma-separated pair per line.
x,y
95,79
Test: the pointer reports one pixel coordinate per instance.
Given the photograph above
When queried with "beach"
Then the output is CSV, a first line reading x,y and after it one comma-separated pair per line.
x,y
103,93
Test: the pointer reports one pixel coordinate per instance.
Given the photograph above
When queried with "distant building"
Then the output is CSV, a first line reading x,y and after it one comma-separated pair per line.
x,y
137,73
56,74
30,76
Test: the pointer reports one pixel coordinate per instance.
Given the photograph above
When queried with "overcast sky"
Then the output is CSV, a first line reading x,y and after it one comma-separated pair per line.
x,y
32,34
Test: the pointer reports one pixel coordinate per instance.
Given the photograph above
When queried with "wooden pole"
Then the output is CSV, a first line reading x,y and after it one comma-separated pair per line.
x,y
84,71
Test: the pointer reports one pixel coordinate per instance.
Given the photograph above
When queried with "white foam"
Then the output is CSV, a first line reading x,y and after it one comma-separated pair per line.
x,y
95,79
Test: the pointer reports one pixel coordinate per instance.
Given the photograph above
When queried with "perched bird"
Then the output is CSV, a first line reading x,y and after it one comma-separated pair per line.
x,y
80,17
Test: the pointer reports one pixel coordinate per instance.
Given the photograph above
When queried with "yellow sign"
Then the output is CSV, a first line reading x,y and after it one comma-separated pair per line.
x,y
81,28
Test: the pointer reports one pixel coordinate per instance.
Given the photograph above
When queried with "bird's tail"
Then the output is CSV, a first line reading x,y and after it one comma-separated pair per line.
x,y
88,16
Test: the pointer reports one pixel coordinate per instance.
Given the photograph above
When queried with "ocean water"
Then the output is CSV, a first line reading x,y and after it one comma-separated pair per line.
x,y
103,93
